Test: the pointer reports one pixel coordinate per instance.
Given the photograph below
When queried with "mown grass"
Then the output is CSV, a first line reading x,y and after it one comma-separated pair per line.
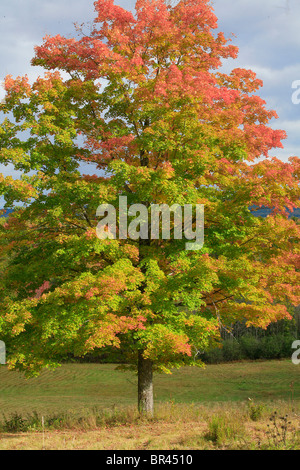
x,y
245,405
84,386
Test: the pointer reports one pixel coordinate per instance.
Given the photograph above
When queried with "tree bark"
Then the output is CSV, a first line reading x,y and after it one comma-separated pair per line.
x,y
145,385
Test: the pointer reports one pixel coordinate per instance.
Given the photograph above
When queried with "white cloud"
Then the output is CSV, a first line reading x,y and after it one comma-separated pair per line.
x,y
8,170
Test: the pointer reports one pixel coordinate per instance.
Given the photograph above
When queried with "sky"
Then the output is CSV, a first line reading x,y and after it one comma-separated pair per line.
x,y
266,32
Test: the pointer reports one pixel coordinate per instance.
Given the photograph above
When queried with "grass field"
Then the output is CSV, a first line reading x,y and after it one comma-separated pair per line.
x,y
78,386
194,407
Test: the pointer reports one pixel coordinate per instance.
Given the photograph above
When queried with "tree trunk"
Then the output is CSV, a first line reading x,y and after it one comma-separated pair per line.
x,y
145,385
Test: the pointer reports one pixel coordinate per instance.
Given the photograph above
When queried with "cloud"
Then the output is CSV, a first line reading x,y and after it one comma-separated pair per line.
x,y
267,34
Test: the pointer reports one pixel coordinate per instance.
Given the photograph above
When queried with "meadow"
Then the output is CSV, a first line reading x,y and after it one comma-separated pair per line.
x,y
242,405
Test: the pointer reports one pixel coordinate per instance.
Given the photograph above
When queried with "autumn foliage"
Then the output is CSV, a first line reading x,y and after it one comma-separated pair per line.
x,y
141,99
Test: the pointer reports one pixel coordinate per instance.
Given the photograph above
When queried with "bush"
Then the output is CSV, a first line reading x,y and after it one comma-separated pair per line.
x,y
232,350
278,346
271,347
223,427
15,423
214,356
251,347
256,410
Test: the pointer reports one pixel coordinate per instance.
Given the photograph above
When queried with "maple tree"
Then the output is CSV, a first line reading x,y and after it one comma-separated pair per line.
x,y
142,97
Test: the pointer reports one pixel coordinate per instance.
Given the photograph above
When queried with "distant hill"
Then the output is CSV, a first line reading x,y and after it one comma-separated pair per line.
x,y
8,211
264,211
260,211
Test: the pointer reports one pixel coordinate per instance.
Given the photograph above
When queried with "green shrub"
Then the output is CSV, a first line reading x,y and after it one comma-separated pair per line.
x,y
214,356
275,346
271,347
222,427
232,350
14,423
251,347
256,410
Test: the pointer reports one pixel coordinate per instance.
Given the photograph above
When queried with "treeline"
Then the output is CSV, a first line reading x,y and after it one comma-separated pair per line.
x,y
248,343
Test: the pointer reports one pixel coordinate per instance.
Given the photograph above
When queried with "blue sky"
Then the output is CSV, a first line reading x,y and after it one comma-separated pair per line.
x,y
267,34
